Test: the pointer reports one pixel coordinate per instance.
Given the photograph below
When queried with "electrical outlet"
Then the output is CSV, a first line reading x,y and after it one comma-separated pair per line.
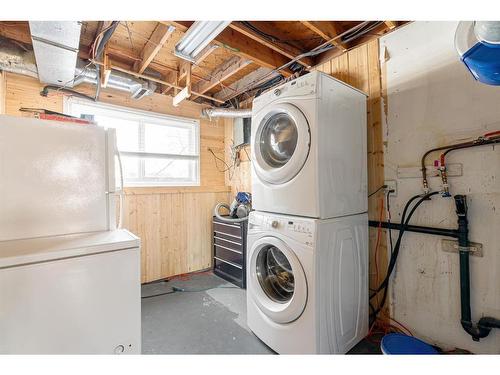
x,y
391,185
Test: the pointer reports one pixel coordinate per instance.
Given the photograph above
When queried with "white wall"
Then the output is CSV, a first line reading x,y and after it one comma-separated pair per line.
x,y
433,101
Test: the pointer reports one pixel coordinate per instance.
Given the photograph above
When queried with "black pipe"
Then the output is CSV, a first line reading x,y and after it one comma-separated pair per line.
x,y
416,228
485,324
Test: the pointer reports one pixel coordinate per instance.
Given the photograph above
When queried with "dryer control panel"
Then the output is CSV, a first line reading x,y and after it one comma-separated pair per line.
x,y
305,85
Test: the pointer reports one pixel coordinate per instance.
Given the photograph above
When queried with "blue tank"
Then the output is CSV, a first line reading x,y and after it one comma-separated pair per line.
x,y
478,44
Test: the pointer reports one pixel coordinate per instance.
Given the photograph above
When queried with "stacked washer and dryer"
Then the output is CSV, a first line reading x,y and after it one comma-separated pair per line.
x,y
307,249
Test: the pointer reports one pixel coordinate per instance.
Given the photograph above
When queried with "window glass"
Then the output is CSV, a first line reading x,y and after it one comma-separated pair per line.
x,y
142,138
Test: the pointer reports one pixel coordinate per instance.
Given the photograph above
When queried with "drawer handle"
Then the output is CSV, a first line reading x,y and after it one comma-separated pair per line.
x,y
227,234
227,225
230,263
223,239
227,248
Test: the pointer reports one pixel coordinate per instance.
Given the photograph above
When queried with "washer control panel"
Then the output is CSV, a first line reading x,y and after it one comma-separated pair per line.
x,y
300,229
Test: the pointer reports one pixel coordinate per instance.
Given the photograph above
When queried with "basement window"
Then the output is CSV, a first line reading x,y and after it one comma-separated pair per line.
x,y
156,149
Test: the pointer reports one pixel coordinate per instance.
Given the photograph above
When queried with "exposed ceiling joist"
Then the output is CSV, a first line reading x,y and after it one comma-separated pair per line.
x,y
374,34
244,46
220,74
157,80
184,70
185,93
171,77
327,30
286,50
158,38
242,85
205,53
391,24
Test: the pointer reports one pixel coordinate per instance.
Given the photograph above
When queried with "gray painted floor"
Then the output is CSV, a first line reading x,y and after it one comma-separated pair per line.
x,y
206,322
210,319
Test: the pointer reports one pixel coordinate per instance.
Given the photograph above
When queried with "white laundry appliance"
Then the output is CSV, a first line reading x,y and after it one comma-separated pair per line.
x,y
307,282
69,280
308,144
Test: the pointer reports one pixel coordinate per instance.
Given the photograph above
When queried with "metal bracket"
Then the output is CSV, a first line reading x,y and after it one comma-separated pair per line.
x,y
452,170
451,246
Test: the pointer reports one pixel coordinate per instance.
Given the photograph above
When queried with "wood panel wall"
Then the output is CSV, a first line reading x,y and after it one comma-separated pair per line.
x,y
238,177
2,92
173,223
360,68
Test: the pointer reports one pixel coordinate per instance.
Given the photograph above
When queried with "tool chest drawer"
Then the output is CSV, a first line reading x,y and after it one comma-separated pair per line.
x,y
229,249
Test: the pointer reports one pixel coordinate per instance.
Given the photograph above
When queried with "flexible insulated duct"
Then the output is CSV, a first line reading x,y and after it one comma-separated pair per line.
x,y
16,58
227,112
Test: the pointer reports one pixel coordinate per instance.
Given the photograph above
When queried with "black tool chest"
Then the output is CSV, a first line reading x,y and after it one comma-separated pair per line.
x,y
230,251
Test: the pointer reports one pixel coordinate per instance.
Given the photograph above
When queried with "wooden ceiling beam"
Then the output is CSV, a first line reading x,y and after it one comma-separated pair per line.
x,y
157,80
391,24
156,41
327,30
242,85
244,46
286,50
377,32
220,74
207,51
184,70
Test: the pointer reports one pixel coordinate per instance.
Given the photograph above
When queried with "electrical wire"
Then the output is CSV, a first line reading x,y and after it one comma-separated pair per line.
x,y
388,208
379,235
315,51
176,289
222,160
376,191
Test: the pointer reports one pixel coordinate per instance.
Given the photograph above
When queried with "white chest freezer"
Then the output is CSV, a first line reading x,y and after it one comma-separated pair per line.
x,y
71,294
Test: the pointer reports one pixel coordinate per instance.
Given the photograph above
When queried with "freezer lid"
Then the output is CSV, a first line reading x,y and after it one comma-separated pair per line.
x,y
34,250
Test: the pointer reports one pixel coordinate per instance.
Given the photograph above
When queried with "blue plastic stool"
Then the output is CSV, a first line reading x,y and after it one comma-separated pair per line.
x,y
397,343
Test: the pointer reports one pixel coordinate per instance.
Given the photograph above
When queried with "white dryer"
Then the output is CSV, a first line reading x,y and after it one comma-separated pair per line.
x,y
307,282
308,145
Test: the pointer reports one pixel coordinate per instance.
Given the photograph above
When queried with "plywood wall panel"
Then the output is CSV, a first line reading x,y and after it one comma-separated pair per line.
x,y
174,223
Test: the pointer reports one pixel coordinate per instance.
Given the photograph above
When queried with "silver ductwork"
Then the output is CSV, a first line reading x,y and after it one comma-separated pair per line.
x,y
16,58
56,46
138,88
226,112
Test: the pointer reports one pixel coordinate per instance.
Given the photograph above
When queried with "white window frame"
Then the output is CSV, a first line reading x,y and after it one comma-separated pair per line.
x,y
152,118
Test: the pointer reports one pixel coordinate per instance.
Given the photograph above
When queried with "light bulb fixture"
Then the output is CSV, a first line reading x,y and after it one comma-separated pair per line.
x,y
197,37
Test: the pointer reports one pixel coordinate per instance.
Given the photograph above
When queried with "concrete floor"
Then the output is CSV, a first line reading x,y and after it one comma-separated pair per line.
x,y
210,319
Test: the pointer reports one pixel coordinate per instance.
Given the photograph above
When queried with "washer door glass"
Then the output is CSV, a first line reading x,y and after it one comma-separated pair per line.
x,y
275,274
278,140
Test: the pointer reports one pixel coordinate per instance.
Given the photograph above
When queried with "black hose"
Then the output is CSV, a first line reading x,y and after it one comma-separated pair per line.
x,y
404,222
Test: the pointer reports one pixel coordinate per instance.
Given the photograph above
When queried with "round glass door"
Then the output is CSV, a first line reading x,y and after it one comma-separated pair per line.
x,y
278,139
280,144
275,274
276,282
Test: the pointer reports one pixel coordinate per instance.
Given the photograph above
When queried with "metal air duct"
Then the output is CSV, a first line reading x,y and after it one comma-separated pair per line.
x,y
19,59
227,112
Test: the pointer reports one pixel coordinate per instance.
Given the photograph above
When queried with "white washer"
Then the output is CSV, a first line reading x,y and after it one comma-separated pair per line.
x,y
307,282
309,148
